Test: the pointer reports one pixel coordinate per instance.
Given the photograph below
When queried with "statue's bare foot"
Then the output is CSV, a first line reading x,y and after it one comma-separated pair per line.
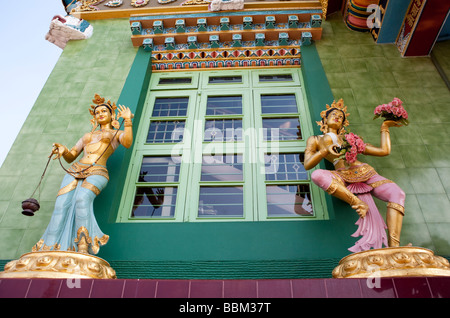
x,y
361,209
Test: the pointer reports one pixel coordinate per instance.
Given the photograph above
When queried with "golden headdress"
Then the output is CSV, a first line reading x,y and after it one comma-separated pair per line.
x,y
100,101
339,105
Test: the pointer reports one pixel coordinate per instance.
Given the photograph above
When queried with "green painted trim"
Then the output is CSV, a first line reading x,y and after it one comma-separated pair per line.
x,y
133,96
266,269
319,94
317,87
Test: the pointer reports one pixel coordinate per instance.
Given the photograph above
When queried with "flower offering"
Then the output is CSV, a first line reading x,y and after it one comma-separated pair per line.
x,y
351,147
392,111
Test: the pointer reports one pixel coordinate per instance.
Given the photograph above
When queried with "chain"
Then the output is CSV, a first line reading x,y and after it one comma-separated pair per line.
x,y
92,164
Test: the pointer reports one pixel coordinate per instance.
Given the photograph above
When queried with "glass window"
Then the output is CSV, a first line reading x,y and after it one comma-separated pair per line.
x,y
224,79
224,105
174,81
221,202
281,129
165,131
223,130
288,200
154,202
222,168
218,125
276,78
160,169
278,104
285,166
170,130
173,106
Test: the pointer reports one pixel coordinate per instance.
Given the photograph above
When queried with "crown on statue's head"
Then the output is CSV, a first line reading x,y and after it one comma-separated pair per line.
x,y
100,101
339,105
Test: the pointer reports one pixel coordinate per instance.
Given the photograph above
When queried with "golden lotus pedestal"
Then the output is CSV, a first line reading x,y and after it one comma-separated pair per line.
x,y
58,264
392,262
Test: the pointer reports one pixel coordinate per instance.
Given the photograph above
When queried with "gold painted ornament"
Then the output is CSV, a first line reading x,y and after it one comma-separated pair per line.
x,y
401,261
114,3
195,2
53,263
58,264
139,3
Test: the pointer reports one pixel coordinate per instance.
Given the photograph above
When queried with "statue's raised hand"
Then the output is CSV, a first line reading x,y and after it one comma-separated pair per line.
x,y
125,112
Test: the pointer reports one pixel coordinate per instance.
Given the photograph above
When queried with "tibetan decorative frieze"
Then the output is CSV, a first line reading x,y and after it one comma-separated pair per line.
x,y
226,58
235,39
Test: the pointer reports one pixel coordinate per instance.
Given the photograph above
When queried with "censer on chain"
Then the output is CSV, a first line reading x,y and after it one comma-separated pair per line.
x,y
31,205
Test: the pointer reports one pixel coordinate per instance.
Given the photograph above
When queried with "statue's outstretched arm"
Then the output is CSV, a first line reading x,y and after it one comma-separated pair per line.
x,y
385,141
69,156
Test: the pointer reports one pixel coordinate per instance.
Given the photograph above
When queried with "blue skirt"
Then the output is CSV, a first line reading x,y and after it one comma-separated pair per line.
x,y
73,210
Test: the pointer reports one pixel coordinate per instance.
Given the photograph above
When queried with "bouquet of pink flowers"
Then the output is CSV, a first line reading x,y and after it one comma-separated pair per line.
x,y
392,111
352,146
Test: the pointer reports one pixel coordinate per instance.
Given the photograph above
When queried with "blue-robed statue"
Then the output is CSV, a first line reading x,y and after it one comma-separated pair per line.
x,y
73,215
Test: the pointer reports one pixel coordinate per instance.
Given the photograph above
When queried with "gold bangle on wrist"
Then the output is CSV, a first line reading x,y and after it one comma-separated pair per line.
x,y
384,129
128,122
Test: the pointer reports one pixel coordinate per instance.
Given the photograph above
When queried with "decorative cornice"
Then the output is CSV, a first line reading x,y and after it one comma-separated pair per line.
x,y
158,9
228,39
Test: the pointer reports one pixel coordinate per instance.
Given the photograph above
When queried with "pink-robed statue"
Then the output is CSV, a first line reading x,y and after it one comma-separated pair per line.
x,y
355,182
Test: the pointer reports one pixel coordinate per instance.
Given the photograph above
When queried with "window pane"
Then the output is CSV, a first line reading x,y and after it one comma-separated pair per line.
x,y
171,106
278,104
221,202
224,105
176,80
285,166
281,129
222,168
224,79
275,78
151,202
288,200
165,131
223,130
160,169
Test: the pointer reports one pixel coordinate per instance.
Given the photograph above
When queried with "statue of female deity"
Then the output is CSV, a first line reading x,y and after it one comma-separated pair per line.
x,y
348,180
85,179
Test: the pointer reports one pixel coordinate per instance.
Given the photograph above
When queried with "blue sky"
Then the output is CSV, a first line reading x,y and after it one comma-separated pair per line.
x,y
26,61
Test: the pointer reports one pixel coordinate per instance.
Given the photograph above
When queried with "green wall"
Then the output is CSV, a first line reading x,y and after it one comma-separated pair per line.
x,y
356,69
